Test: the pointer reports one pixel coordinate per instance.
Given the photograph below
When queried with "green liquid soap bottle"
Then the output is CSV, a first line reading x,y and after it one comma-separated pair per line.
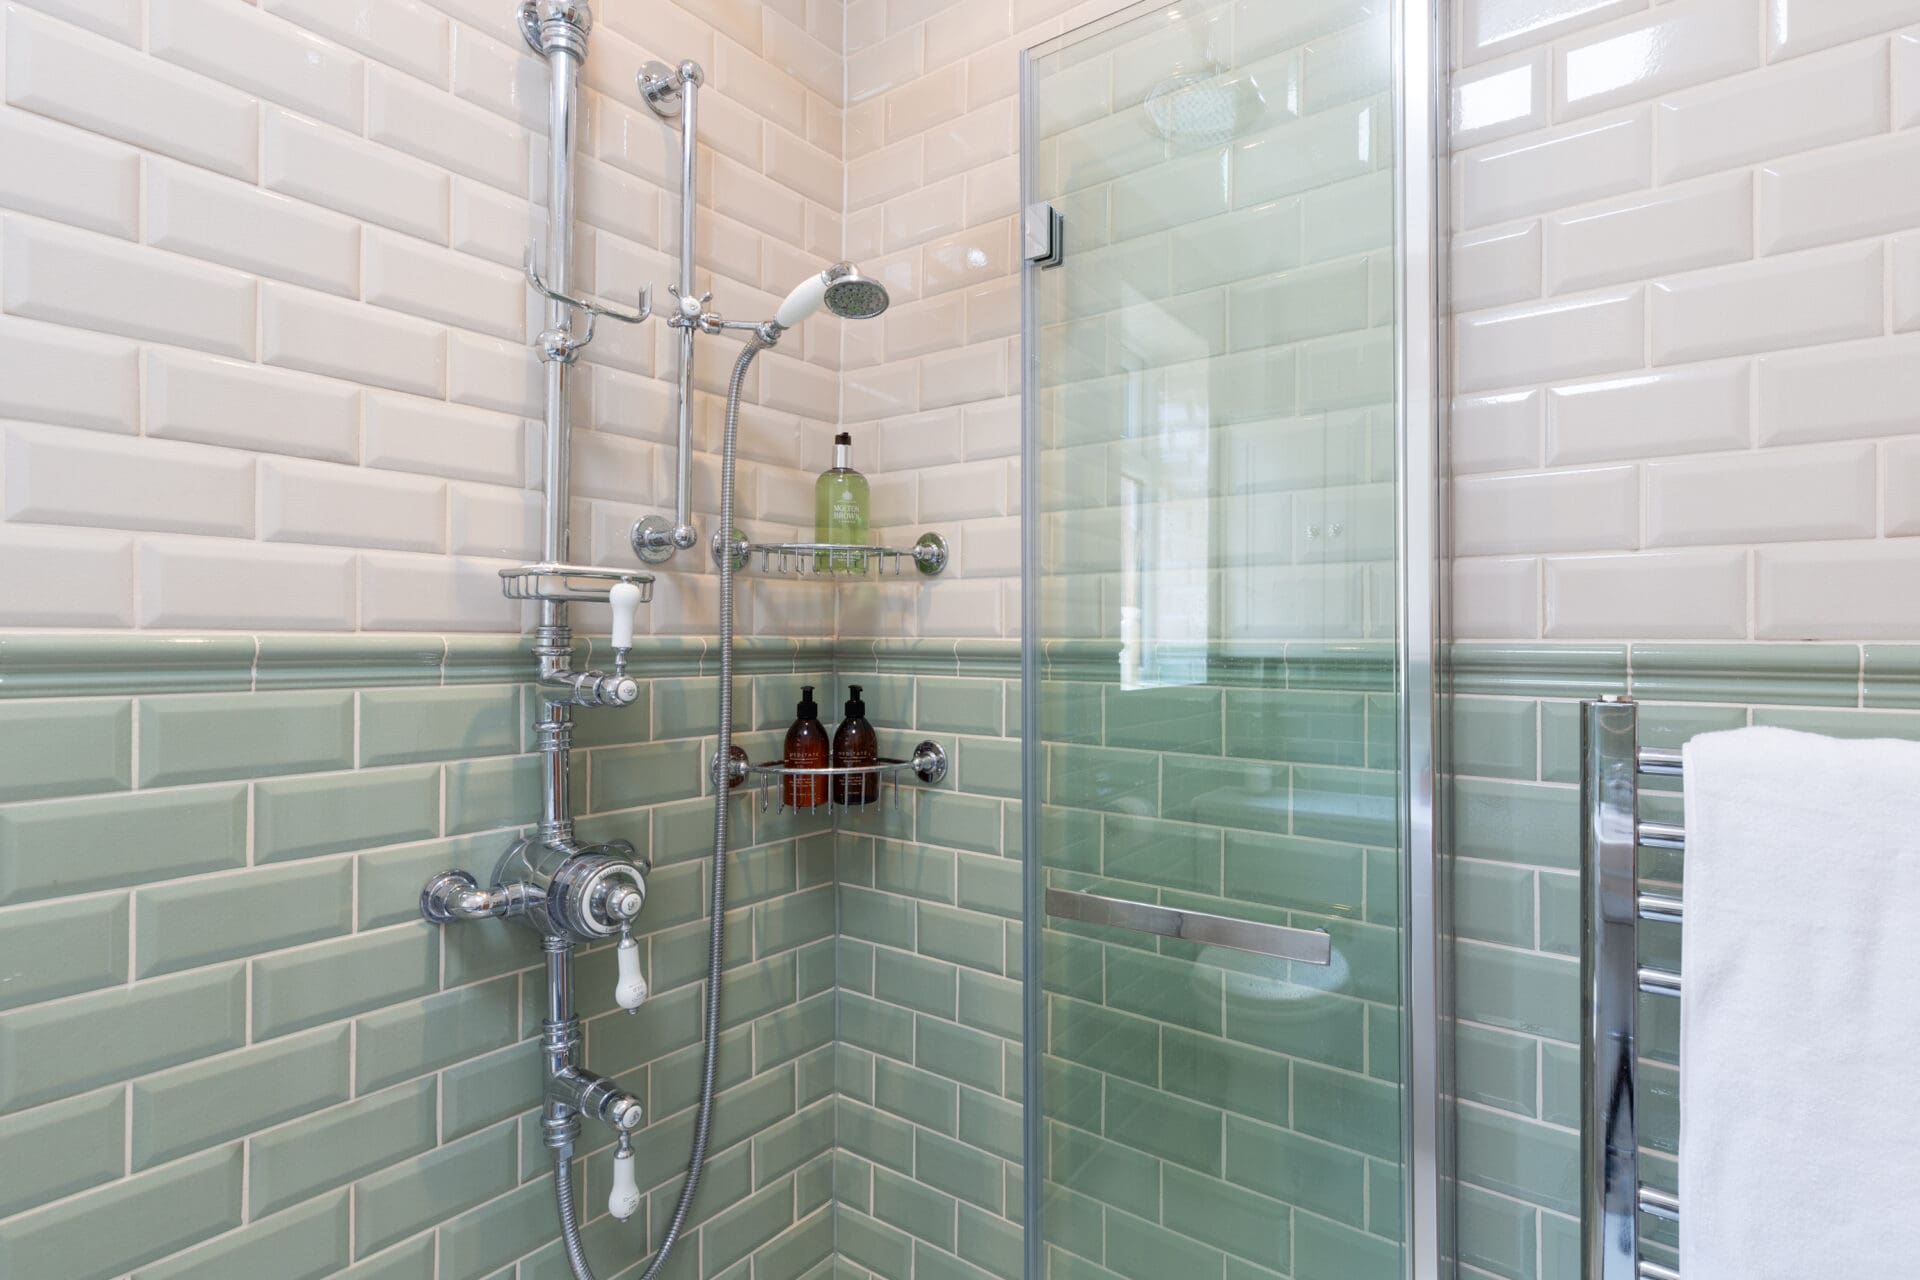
x,y
841,501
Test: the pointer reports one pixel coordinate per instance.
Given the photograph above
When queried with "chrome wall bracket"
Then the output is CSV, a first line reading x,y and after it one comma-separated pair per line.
x,y
550,25
562,344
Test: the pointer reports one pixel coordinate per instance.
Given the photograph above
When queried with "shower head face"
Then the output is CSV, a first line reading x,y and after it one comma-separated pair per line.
x,y
852,296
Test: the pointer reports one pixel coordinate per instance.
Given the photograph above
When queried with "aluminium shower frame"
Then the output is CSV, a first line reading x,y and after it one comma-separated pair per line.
x,y
1421,40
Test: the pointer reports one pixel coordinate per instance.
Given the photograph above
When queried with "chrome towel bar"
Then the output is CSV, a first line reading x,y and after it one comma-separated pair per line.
x,y
1308,946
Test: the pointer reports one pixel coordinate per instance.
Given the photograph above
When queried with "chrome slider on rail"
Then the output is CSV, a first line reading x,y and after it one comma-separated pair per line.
x,y
1309,946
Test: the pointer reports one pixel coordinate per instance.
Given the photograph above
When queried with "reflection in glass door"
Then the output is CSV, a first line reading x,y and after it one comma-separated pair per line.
x,y
1224,692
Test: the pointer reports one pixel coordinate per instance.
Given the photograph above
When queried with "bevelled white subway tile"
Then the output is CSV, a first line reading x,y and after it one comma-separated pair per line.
x,y
320,334
924,214
1774,495
238,45
787,47
1585,509
881,175
754,199
614,467
963,375
1653,595
1535,174
1850,392
1669,229
1798,301
401,33
1677,44
1250,242
406,433
920,440
324,166
1494,433
1280,310
960,607
117,18
428,593
1494,267
1347,217
1795,27
992,548
969,141
991,429
967,492
319,502
1783,110
794,386
68,175
993,310
446,132
1179,193
1488,27
1495,598
58,71
1843,193
1906,78
51,373
632,140
492,74
216,401
627,405
1906,283
439,284
1693,410
1837,591
892,62
65,578
55,475
206,216
489,224
1499,99
1352,62
800,166
1342,142
493,374
1539,342
92,282
920,327
492,521
961,29
792,608
1900,494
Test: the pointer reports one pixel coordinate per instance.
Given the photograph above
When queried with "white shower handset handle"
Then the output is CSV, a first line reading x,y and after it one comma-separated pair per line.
x,y
631,991
625,599
625,1196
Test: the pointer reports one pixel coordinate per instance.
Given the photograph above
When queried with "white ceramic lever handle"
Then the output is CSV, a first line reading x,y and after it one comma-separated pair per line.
x,y
625,1196
631,991
625,599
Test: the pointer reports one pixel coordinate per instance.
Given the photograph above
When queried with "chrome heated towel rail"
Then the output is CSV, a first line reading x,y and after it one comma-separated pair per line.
x,y
1611,981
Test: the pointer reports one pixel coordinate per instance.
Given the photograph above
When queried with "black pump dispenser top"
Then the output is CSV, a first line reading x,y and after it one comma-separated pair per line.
x,y
856,709
808,708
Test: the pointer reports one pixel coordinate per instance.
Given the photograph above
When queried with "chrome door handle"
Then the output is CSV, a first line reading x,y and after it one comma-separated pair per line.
x,y
1308,946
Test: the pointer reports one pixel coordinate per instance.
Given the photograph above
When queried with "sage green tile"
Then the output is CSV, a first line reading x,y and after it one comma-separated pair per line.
x,y
989,884
406,1040
196,922
960,1170
1517,991
1107,1172
874,1135
1801,674
1892,675
1103,778
61,948
1559,1247
211,737
1520,1158
1361,805
304,1243
125,1032
1519,822
914,870
298,989
1142,1250
1323,1248
390,879
153,1215
1326,1178
482,1240
992,1124
889,699
410,1261
775,703
322,1151
1493,737
689,706
1527,670
1306,727
917,982
782,1147
304,817
919,1097
486,795
1163,1124
991,1242
964,937
1497,1234
914,1207
991,766
348,662
872,1244
1173,718
65,748
476,954
417,1193
1348,1109
794,920
957,821
1285,871
405,726
803,1253
958,1053
1560,926
1164,989
1178,854
759,988
1493,902
55,848
628,777
56,1150
949,706
1495,1069
990,1003
1221,1073
752,1106
1252,795
198,1104
1244,1224
1848,723
56,665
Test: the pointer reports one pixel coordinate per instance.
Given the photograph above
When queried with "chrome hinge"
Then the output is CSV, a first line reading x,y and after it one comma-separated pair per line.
x,y
1044,241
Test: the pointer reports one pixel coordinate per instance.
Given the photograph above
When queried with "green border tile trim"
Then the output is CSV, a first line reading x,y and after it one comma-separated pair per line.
x,y
1892,675
348,662
49,665
1803,674
1535,670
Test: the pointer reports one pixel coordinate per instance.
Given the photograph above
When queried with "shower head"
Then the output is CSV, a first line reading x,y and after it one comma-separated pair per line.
x,y
841,289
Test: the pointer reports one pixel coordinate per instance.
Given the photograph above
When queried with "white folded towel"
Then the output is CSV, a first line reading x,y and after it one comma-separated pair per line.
x,y
1800,1019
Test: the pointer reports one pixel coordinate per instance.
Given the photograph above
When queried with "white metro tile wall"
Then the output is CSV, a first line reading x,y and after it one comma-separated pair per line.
x,y
1684,258
264,345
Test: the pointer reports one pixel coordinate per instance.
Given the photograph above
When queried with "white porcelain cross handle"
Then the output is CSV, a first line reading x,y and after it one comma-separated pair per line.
x,y
625,598
625,1196
631,990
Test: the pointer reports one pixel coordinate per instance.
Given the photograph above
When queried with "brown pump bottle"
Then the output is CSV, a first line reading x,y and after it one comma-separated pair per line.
x,y
806,749
855,743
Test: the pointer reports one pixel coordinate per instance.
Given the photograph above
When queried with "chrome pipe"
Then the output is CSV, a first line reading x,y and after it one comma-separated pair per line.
x,y
1654,1271
1660,762
1657,982
684,534
1660,1204
1663,835
1659,908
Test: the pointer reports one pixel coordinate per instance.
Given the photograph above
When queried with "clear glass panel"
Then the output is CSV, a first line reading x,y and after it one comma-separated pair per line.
x,y
1216,713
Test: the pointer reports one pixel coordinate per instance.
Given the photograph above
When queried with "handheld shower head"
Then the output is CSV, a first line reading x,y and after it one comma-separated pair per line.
x,y
841,289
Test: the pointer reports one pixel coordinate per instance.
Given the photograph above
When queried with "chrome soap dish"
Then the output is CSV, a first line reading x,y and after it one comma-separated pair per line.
x,y
876,780
838,559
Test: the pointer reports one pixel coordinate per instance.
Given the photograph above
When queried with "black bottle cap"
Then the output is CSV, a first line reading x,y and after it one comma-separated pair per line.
x,y
808,708
856,709
845,437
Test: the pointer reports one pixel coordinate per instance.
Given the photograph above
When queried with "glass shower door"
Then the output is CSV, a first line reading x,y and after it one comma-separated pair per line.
x,y
1214,692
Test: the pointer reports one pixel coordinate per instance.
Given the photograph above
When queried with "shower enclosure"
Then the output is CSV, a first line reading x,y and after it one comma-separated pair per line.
x,y
1233,1066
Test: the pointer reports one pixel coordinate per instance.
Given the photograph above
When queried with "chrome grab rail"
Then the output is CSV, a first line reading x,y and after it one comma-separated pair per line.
x,y
1308,946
